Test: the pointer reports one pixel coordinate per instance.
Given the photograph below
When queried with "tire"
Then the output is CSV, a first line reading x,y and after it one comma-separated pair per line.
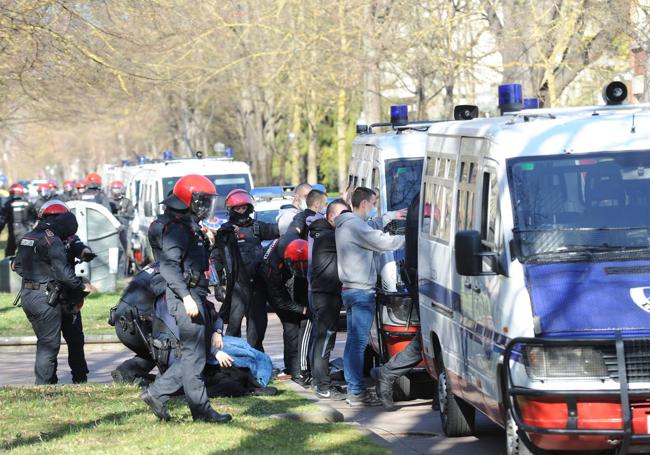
x,y
514,445
456,415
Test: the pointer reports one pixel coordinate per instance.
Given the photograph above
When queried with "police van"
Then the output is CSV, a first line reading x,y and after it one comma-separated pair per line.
x,y
534,274
149,183
387,157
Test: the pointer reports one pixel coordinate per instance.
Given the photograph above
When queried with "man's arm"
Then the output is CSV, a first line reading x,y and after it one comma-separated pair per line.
x,y
378,241
268,231
62,271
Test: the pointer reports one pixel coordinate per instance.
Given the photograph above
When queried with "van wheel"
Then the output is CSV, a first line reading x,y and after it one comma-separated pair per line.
x,y
456,415
514,445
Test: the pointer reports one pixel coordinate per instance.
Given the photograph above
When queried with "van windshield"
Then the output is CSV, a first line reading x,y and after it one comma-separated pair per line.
x,y
403,177
224,183
570,207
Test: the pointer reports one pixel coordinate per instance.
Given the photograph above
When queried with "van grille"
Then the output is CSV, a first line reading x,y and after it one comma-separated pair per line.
x,y
637,360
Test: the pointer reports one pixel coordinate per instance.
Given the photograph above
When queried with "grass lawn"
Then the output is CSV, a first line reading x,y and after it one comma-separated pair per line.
x,y
111,419
13,321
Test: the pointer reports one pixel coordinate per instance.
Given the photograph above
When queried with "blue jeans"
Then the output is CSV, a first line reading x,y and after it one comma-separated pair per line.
x,y
360,310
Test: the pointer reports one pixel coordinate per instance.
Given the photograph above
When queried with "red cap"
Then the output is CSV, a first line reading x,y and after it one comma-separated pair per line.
x,y
117,184
81,184
53,207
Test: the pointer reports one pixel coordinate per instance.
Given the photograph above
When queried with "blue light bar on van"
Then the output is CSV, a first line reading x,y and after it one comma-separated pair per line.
x,y
142,159
510,98
399,114
531,103
167,155
125,162
228,152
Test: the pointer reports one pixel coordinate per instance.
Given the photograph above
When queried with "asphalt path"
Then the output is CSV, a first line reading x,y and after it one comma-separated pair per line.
x,y
413,428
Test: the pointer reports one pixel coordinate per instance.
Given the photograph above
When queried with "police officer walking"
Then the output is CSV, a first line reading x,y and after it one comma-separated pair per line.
x,y
42,263
184,261
94,192
248,298
18,215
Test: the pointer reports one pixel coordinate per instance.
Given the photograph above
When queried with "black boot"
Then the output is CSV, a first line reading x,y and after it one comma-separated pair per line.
x,y
157,407
213,416
384,389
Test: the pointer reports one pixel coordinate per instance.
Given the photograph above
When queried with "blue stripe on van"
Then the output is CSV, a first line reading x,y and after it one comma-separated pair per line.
x,y
475,331
440,294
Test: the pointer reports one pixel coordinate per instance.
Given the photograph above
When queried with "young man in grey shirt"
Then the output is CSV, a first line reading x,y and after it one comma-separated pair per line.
x,y
357,242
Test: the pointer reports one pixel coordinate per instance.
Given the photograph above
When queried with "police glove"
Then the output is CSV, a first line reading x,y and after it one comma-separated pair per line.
x,y
191,308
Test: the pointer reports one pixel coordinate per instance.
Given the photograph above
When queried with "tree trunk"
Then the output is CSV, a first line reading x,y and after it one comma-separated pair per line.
x,y
341,127
312,150
295,146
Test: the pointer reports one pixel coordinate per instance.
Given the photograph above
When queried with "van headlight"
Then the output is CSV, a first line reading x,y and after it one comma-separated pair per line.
x,y
564,362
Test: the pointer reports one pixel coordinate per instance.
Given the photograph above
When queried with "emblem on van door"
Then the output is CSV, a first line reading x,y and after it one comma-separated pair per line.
x,y
640,298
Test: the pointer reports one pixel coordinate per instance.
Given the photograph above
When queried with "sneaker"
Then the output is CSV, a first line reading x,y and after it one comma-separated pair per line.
x,y
301,380
363,399
330,394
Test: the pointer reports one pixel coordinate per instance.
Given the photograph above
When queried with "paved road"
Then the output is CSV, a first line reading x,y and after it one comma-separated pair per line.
x,y
414,428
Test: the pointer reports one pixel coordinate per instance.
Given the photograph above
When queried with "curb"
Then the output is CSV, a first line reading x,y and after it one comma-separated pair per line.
x,y
31,340
327,413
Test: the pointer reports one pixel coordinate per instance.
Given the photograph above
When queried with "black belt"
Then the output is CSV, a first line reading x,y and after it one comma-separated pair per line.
x,y
32,285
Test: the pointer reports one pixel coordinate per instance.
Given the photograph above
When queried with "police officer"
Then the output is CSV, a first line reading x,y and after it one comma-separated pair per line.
x,y
122,208
94,192
183,263
42,263
248,298
18,215
132,319
69,193
45,193
285,297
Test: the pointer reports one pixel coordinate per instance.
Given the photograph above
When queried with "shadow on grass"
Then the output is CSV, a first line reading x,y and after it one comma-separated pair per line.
x,y
8,308
68,428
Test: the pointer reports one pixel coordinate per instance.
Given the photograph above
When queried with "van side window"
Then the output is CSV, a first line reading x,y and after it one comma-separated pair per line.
x,y
438,197
426,208
465,207
489,208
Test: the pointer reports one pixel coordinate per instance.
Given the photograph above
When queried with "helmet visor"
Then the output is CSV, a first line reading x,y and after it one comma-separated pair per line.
x,y
204,204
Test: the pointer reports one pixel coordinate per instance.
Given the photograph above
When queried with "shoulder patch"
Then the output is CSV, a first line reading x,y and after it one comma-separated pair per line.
x,y
49,233
27,242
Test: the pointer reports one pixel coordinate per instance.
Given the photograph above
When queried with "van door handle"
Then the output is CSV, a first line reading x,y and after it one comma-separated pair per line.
x,y
468,283
476,289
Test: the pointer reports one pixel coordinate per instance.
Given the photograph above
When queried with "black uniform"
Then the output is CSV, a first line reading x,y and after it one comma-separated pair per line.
x,y
19,216
132,319
325,299
154,235
286,295
95,195
38,203
71,322
122,208
41,262
183,263
248,297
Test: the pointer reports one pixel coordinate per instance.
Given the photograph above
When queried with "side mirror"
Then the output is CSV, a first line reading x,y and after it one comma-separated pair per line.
x,y
148,209
470,254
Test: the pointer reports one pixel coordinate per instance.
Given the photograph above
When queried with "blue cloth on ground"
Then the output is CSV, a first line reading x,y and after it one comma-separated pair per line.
x,y
245,356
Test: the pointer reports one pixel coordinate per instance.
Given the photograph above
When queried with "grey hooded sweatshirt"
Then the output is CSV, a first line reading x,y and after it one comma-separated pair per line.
x,y
356,244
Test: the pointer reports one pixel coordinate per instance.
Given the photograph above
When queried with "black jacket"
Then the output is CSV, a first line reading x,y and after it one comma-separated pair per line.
x,y
324,271
250,234
184,258
42,258
284,292
144,289
154,235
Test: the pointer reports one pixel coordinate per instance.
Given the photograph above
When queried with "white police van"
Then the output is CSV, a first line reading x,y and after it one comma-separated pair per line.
x,y
534,275
149,183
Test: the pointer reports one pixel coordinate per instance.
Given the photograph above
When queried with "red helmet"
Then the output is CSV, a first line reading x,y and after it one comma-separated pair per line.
x,y
238,197
16,190
193,191
68,185
94,179
117,184
53,207
81,184
296,256
44,189
52,184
